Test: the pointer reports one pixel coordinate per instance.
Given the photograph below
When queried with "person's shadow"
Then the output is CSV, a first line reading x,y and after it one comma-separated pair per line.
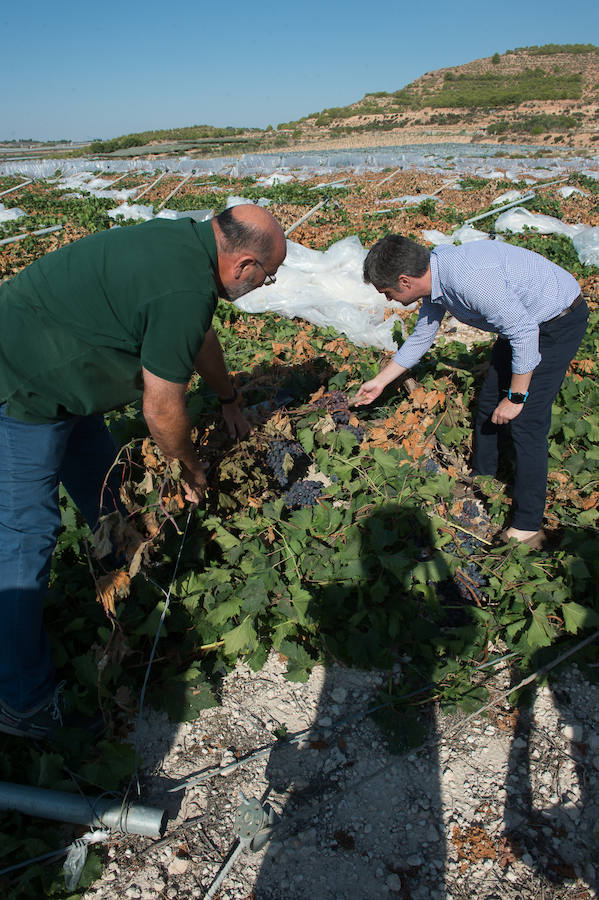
x,y
552,804
356,821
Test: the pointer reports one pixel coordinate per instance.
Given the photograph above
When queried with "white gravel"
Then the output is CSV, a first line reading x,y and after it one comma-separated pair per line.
x,y
507,807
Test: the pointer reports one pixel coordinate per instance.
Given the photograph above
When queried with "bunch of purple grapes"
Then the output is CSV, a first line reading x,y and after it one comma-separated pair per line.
x,y
358,433
276,454
337,405
303,493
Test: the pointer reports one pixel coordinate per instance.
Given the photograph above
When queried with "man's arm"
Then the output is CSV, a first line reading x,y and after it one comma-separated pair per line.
x,y
166,416
411,351
210,364
370,390
506,409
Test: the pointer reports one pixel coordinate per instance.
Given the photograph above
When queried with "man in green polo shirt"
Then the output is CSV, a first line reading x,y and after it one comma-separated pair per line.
x,y
120,315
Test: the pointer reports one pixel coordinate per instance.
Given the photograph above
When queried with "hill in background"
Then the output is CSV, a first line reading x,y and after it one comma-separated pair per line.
x,y
535,95
530,94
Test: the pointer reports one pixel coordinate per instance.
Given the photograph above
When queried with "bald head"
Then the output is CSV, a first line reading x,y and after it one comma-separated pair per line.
x,y
250,245
249,228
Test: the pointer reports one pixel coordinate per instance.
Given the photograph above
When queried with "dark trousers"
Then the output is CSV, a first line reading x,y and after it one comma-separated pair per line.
x,y
558,343
33,460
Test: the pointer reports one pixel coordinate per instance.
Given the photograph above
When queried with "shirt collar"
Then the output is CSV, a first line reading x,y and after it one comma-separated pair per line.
x,y
435,283
205,232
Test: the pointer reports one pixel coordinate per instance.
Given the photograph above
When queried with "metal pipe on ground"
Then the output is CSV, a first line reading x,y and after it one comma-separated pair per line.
x,y
129,818
174,191
16,187
26,234
310,212
150,186
499,209
389,177
443,186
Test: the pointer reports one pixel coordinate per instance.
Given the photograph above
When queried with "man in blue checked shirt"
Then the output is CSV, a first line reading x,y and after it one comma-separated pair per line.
x,y
536,310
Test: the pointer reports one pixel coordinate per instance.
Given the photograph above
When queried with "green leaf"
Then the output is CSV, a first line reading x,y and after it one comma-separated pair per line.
x,y
224,611
306,439
301,600
183,696
299,663
434,569
539,633
241,638
577,617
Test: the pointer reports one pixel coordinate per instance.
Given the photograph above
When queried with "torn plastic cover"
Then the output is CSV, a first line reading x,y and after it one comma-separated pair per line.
x,y
327,289
584,237
413,199
9,215
463,235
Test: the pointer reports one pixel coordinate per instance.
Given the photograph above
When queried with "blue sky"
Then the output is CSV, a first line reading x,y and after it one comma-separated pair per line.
x,y
83,70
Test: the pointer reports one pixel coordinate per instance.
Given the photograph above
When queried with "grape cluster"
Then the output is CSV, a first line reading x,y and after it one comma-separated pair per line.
x,y
303,493
335,403
470,510
475,579
276,454
358,433
431,467
474,574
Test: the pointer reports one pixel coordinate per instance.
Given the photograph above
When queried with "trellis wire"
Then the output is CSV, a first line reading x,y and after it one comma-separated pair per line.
x,y
153,651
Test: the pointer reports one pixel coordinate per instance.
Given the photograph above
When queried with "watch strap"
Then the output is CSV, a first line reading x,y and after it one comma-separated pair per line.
x,y
515,397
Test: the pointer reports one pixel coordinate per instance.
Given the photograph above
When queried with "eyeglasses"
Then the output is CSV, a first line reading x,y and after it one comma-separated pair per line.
x,y
268,279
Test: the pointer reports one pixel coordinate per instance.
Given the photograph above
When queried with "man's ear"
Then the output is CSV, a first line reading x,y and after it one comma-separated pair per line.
x,y
241,264
403,282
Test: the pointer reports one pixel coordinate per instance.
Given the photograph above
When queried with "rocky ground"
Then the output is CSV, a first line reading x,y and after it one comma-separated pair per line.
x,y
498,806
504,805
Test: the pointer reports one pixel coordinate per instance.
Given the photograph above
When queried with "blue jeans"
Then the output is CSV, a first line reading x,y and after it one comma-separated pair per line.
x,y
558,343
34,459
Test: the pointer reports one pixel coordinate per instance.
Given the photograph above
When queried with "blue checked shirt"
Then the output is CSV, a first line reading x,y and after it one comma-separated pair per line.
x,y
496,287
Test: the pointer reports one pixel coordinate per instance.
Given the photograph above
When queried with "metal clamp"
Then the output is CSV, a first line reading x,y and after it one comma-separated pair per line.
x,y
254,822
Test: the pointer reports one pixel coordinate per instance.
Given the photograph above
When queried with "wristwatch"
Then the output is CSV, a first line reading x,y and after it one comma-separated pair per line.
x,y
229,400
516,398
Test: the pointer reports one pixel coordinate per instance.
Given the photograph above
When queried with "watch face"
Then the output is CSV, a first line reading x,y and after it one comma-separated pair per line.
x,y
517,398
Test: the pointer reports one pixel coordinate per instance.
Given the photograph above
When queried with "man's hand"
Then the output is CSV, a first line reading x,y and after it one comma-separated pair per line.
x,y
506,411
194,482
236,422
368,392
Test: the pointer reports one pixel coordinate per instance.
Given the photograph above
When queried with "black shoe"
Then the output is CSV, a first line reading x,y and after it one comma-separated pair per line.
x,y
49,721
41,723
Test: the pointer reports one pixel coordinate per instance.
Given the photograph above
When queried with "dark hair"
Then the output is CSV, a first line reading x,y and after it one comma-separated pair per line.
x,y
240,236
393,256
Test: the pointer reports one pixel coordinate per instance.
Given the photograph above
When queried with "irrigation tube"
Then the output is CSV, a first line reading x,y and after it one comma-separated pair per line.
x,y
26,234
95,811
499,209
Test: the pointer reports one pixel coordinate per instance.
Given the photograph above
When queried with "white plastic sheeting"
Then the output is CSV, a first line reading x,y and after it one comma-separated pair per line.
x,y
327,289
567,191
506,198
458,159
517,219
9,215
275,178
198,215
242,201
584,237
586,244
463,235
135,211
139,211
413,199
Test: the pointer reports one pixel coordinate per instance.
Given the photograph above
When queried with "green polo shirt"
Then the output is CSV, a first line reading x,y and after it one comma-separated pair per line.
x,y
77,325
